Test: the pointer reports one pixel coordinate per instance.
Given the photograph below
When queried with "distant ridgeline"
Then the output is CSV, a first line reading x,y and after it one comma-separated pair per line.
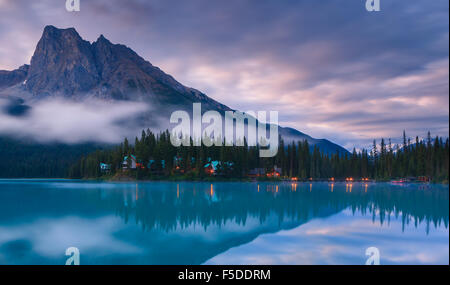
x,y
153,156
19,159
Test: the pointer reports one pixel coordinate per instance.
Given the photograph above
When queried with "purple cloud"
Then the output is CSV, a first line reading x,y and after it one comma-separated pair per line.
x,y
330,68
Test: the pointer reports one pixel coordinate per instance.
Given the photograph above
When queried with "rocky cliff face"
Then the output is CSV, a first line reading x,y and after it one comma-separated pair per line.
x,y
64,64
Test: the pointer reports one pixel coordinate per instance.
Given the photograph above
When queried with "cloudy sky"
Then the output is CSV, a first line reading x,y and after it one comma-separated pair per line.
x,y
331,69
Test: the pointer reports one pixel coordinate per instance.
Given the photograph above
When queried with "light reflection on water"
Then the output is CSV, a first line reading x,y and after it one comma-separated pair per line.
x,y
222,223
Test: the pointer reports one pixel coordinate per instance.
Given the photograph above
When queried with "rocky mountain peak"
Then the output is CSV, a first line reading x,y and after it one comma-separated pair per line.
x,y
102,39
62,63
53,32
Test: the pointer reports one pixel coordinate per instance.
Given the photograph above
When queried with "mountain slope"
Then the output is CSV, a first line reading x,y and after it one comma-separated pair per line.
x,y
64,65
292,135
10,78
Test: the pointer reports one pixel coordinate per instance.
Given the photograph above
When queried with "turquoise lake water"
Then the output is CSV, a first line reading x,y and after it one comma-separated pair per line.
x,y
222,223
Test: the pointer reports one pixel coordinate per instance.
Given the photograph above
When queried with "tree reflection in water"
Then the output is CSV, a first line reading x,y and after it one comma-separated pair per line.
x,y
171,206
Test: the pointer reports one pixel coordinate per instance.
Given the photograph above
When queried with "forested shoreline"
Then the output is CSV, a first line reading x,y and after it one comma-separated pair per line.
x,y
157,158
25,158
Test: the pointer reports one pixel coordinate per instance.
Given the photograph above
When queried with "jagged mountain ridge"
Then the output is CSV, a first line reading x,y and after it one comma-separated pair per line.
x,y
65,65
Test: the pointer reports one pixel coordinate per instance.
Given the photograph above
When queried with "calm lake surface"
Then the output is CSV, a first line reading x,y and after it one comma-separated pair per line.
x,y
222,223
